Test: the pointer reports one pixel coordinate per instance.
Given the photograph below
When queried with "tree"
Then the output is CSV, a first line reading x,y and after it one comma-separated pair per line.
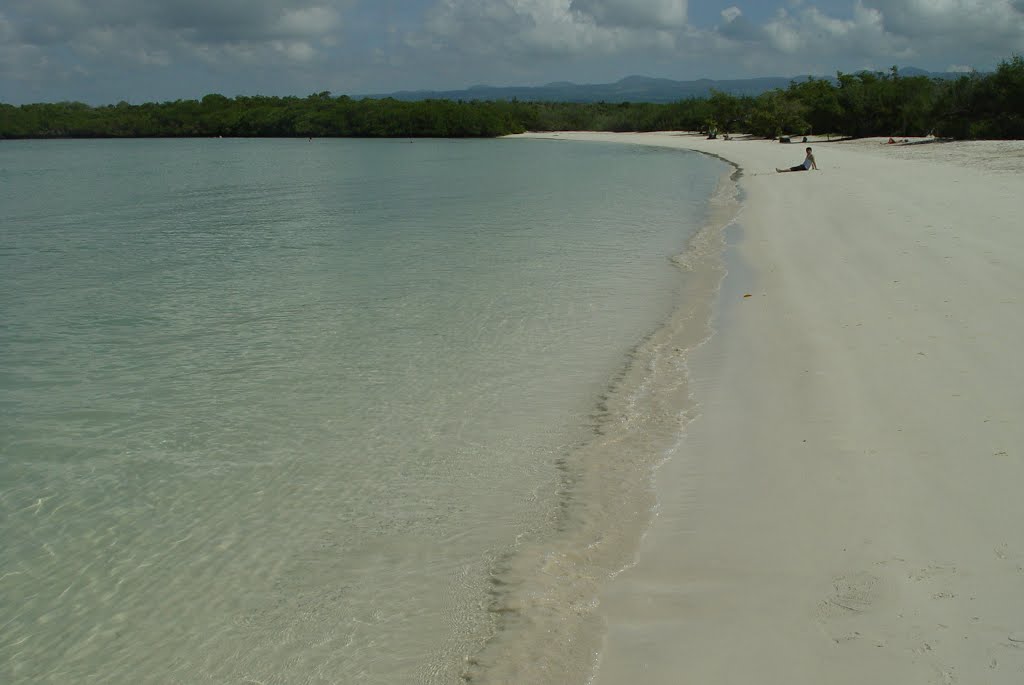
x,y
775,113
867,103
819,97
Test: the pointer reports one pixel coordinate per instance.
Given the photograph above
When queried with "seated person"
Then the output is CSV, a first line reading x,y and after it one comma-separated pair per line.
x,y
808,164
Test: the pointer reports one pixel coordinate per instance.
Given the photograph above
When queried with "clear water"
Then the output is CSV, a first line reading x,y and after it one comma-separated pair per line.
x,y
273,411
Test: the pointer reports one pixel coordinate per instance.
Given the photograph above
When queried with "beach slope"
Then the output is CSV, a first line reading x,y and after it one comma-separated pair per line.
x,y
847,507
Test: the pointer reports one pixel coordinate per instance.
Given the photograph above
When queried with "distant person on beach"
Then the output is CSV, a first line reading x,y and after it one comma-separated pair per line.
x,y
808,164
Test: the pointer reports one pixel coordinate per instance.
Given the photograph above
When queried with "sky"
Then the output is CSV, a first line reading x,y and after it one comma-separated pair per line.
x,y
108,51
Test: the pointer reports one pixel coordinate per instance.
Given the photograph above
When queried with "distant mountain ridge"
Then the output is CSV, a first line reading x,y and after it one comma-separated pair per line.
x,y
628,89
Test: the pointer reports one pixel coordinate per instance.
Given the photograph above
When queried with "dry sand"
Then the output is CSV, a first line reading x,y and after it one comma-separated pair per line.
x,y
849,505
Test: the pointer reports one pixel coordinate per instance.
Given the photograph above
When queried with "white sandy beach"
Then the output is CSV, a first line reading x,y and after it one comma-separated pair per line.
x,y
848,507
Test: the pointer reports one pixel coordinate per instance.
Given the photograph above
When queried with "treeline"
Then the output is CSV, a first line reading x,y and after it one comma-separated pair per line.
x,y
880,104
258,116
862,104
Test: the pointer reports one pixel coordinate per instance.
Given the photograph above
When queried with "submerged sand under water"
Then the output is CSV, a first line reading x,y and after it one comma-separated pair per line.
x,y
280,411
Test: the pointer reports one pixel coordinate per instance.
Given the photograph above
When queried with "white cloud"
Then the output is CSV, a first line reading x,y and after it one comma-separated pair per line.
x,y
522,36
730,14
959,69
543,29
294,50
308,21
1000,23
808,34
160,46
637,14
157,32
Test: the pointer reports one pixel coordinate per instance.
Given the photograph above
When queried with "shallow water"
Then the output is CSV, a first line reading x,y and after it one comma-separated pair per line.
x,y
281,411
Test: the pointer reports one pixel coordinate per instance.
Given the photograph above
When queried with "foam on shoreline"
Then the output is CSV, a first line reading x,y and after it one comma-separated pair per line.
x,y
544,596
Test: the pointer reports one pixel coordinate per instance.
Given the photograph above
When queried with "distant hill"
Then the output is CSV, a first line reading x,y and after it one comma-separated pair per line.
x,y
629,89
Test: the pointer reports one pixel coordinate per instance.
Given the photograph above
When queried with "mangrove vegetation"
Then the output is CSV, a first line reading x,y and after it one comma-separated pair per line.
x,y
862,104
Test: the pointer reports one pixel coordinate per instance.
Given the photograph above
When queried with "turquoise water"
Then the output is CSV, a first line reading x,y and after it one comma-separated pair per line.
x,y
272,411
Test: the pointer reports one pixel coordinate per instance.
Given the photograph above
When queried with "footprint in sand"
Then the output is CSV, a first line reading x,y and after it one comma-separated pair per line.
x,y
933,571
1004,553
853,594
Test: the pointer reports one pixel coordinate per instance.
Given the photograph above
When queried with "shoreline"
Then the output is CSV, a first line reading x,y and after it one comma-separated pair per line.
x,y
606,486
844,506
